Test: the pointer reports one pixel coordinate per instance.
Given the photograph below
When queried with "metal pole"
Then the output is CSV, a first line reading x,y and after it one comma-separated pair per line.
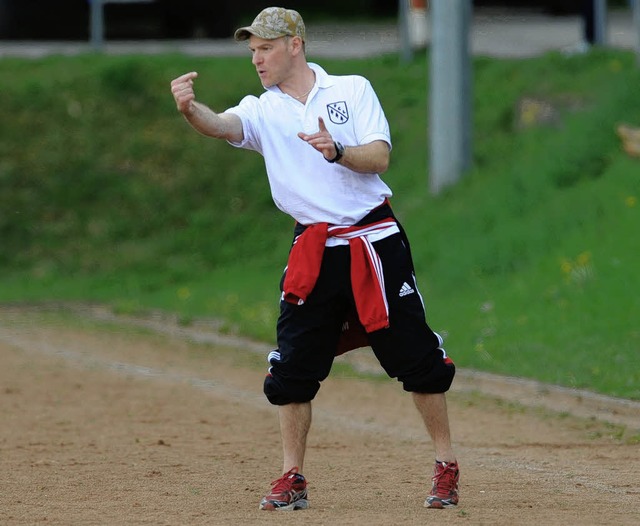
x,y
636,24
406,49
450,93
96,24
467,89
600,22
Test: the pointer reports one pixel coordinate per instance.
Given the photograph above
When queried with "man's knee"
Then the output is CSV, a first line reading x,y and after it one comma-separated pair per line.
x,y
435,379
281,391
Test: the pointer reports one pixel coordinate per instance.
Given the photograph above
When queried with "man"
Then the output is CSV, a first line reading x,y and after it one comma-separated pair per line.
x,y
325,140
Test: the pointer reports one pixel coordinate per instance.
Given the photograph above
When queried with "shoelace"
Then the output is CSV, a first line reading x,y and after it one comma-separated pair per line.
x,y
445,479
284,483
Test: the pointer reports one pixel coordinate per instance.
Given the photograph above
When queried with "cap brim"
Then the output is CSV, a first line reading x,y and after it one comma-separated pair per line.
x,y
244,33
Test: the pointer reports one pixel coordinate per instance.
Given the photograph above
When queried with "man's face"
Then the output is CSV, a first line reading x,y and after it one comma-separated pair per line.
x,y
272,59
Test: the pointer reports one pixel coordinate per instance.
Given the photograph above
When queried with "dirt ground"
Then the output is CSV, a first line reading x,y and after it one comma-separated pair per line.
x,y
109,423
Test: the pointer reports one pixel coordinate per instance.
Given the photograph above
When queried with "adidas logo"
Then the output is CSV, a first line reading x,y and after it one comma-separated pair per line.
x,y
405,290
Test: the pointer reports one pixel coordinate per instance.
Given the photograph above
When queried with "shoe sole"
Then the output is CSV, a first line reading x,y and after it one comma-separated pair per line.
x,y
438,504
302,504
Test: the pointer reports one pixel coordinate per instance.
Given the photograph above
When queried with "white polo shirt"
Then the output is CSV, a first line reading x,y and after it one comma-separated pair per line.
x,y
303,184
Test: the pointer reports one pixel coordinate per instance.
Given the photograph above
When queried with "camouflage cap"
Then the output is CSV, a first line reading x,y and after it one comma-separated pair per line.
x,y
272,23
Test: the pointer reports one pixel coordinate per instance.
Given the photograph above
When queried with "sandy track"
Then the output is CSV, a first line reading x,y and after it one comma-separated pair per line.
x,y
109,424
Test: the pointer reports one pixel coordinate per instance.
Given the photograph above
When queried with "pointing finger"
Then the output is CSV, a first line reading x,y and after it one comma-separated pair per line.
x,y
321,124
187,77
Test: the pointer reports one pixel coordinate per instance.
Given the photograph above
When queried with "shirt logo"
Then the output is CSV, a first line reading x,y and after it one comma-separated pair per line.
x,y
338,112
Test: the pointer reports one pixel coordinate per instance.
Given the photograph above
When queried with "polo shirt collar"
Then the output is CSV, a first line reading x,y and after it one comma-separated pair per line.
x,y
323,80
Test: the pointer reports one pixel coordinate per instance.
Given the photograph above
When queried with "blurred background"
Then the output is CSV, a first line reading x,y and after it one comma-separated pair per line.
x,y
127,19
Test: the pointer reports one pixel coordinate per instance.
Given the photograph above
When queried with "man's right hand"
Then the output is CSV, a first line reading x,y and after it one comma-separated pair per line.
x,y
182,90
224,126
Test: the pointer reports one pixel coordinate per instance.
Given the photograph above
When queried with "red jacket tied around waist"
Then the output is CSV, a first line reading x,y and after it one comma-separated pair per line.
x,y
367,278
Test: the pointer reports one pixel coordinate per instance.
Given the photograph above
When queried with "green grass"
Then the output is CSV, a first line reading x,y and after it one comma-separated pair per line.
x,y
528,265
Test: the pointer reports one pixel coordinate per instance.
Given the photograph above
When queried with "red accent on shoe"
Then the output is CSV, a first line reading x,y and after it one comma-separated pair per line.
x,y
289,492
444,492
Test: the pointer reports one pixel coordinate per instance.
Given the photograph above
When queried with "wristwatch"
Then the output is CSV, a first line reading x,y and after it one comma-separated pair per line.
x,y
339,152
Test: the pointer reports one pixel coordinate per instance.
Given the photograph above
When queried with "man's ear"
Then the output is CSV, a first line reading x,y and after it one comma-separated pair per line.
x,y
297,45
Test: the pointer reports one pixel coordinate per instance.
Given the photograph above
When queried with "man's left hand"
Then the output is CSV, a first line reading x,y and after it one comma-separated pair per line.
x,y
321,140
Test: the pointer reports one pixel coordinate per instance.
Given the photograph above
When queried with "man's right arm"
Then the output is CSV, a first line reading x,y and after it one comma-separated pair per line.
x,y
221,126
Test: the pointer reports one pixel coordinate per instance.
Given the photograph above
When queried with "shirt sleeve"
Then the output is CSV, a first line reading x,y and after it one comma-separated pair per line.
x,y
249,112
370,122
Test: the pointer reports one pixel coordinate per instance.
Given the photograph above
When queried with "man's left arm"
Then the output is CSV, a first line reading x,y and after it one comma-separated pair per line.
x,y
372,157
366,158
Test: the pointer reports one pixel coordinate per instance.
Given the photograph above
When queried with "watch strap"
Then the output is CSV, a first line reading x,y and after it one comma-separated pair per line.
x,y
339,152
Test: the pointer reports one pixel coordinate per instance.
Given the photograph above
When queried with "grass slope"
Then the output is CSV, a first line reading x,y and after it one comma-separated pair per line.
x,y
528,266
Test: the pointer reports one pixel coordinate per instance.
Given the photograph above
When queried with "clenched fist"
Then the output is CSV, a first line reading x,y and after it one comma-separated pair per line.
x,y
182,90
